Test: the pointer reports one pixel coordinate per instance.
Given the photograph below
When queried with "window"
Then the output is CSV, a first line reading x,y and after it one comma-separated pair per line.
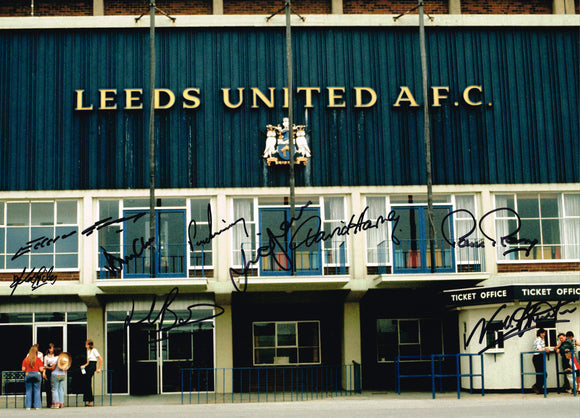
x,y
335,247
377,238
494,337
408,337
200,242
551,220
316,246
283,343
39,234
125,245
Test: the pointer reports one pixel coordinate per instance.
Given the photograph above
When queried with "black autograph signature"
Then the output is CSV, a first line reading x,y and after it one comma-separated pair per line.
x,y
211,235
36,278
312,233
519,322
115,264
506,241
167,318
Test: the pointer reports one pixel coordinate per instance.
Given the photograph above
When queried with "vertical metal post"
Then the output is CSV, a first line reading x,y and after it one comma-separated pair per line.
x,y
290,117
427,137
152,136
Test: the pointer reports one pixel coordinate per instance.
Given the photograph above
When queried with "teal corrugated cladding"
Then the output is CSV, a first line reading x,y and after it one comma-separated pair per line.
x,y
529,134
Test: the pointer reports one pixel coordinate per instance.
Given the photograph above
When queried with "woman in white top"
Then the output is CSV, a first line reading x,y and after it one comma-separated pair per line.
x,y
93,364
49,364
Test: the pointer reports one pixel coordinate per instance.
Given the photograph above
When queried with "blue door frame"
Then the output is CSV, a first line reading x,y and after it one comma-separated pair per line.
x,y
410,255
305,260
169,256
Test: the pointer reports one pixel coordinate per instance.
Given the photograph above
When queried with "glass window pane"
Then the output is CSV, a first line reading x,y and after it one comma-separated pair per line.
x,y
199,209
42,237
286,356
66,212
264,335
308,334
77,316
308,355
17,214
410,350
386,339
41,261
49,317
550,231
70,244
109,209
264,356
66,261
1,213
16,238
530,230
409,331
172,202
505,201
42,213
286,334
549,206
528,206
136,203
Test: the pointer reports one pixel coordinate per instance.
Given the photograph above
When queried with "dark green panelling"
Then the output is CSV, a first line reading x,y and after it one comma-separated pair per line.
x,y
530,133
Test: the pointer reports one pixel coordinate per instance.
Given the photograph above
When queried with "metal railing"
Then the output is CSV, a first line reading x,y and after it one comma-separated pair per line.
x,y
13,387
407,257
132,262
331,260
559,372
268,384
544,373
438,359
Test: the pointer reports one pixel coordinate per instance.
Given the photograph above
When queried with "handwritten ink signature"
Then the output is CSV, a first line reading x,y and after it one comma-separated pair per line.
x,y
211,235
505,241
314,234
520,321
36,278
166,314
40,242
115,264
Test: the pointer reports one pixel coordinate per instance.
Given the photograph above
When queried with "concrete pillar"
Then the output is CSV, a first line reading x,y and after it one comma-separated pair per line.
x,y
563,7
217,7
224,356
454,7
351,342
336,7
96,332
98,7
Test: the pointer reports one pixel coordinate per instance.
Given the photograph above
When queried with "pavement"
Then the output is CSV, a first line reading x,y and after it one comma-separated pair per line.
x,y
367,404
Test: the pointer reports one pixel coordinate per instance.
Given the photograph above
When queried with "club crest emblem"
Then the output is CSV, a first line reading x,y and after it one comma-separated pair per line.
x,y
277,149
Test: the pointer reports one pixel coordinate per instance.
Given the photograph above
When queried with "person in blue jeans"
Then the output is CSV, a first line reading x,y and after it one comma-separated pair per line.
x,y
32,366
59,378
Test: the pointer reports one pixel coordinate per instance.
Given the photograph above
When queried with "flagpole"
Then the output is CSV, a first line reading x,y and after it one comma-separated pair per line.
x,y
290,118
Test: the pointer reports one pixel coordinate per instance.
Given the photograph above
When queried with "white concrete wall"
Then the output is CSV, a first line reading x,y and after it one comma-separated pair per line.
x,y
502,370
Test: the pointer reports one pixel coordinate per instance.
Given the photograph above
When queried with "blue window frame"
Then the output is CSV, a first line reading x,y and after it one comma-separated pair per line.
x,y
278,256
412,254
169,251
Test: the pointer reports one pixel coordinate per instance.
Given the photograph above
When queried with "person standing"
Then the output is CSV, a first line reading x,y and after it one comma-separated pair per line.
x,y
49,364
538,360
63,363
32,367
563,346
93,364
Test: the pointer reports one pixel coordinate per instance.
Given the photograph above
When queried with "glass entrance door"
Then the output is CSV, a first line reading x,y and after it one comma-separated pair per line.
x,y
412,254
49,333
143,347
285,253
167,251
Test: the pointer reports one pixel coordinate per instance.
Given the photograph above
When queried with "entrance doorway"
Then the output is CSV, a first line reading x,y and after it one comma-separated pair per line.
x,y
49,333
157,357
